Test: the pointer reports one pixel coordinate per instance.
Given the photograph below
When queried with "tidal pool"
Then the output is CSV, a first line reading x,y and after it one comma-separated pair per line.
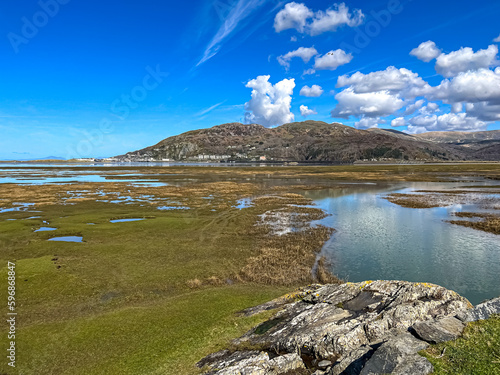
x,y
169,208
19,207
244,203
67,239
78,178
124,220
376,239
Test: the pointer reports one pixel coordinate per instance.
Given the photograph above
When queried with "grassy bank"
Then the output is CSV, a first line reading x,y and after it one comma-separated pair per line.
x,y
476,352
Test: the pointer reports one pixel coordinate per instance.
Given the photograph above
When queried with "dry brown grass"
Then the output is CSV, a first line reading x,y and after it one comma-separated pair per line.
x,y
214,281
287,250
304,214
304,187
213,181
194,284
471,214
411,200
284,260
281,200
287,259
457,191
323,273
191,195
489,224
443,198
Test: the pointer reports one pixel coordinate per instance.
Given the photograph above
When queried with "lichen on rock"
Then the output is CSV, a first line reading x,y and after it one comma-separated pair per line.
x,y
357,327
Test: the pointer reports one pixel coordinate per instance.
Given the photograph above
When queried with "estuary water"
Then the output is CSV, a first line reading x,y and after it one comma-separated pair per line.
x,y
376,239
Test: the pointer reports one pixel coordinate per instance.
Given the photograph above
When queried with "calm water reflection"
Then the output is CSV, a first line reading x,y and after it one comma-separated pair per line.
x,y
376,239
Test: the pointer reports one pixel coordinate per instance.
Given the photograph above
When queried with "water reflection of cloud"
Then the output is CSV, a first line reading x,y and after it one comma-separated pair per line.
x,y
379,240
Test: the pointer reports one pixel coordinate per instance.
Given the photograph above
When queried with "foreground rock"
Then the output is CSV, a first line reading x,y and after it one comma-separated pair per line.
x,y
440,330
482,311
354,328
398,355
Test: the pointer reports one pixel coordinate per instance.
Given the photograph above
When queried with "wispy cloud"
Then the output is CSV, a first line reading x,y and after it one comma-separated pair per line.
x,y
205,111
241,10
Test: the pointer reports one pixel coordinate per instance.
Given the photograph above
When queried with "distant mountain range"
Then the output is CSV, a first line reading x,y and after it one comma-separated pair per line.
x,y
35,159
316,141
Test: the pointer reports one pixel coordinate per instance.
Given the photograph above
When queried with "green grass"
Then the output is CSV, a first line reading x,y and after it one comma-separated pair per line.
x,y
167,337
119,302
477,352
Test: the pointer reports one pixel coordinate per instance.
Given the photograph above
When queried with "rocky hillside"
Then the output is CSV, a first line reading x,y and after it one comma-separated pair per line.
x,y
367,328
308,141
482,145
461,137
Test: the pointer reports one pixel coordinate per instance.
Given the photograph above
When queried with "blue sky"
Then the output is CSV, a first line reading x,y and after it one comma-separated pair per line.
x,y
92,78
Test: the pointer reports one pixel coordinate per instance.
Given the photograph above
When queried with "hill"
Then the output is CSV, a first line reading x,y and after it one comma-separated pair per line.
x,y
308,141
461,137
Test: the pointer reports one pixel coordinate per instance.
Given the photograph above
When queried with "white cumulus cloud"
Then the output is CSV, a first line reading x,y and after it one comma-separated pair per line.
x,y
313,91
484,111
305,111
368,122
413,107
398,121
372,104
472,86
392,79
457,107
429,109
426,51
292,16
332,60
497,39
335,17
270,104
301,18
448,122
415,129
304,53
465,59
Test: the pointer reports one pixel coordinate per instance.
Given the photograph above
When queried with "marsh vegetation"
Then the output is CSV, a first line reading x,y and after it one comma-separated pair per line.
x,y
154,296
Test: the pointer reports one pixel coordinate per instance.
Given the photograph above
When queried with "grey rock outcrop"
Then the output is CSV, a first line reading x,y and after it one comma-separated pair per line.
x,y
441,330
357,327
482,311
252,363
324,364
286,363
353,362
398,355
